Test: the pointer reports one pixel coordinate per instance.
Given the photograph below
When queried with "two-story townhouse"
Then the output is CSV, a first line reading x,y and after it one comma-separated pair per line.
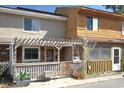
x,y
36,41
26,23
104,28
33,41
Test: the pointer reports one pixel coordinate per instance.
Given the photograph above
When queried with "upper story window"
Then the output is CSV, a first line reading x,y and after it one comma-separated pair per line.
x,y
31,24
92,23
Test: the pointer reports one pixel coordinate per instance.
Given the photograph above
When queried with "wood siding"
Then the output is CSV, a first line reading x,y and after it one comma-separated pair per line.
x,y
99,66
109,26
4,53
19,55
71,24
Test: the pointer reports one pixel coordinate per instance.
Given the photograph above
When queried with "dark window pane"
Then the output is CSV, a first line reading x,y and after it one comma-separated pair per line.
x,y
34,53
116,60
89,23
31,53
27,24
116,52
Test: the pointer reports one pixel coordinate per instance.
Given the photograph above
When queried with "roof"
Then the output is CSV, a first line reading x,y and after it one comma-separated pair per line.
x,y
32,12
87,10
4,40
104,40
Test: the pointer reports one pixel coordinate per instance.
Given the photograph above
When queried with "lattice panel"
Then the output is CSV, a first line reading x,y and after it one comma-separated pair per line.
x,y
3,67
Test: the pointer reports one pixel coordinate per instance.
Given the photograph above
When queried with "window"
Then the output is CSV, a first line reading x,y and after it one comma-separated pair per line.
x,y
31,54
101,52
89,23
94,54
105,53
31,24
92,23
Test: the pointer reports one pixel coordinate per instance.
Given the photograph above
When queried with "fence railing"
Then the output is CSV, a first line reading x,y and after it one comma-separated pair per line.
x,y
55,69
37,70
99,66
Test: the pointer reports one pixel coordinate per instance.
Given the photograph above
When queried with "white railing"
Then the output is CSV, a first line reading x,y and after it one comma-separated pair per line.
x,y
37,70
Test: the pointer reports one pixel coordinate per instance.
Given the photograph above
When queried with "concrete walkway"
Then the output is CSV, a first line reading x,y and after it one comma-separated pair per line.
x,y
65,82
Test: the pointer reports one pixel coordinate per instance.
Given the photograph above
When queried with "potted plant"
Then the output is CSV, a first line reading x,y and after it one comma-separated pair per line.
x,y
23,79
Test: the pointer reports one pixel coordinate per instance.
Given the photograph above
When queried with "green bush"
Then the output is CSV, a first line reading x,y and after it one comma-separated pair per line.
x,y
23,75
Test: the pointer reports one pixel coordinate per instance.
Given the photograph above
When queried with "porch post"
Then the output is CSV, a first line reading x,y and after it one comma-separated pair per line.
x,y
58,54
11,58
11,53
72,52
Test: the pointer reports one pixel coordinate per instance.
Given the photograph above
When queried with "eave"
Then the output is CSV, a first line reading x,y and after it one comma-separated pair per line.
x,y
97,13
32,14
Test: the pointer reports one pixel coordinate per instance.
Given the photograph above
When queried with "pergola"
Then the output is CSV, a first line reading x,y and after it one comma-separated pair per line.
x,y
49,42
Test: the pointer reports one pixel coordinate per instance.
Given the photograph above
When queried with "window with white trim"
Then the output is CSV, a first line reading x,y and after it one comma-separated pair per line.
x,y
31,54
31,24
92,23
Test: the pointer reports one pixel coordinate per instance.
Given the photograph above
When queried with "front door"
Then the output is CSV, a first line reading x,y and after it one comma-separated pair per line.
x,y
116,56
50,55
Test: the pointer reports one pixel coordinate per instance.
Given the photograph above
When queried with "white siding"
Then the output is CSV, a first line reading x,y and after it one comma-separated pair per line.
x,y
12,25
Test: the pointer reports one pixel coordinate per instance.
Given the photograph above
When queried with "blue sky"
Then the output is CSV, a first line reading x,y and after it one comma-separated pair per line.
x,y
51,8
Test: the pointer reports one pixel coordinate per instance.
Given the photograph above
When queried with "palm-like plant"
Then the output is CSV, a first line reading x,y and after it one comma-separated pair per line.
x,y
23,75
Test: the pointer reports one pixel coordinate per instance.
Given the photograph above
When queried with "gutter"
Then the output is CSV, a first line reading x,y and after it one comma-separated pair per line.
x,y
32,14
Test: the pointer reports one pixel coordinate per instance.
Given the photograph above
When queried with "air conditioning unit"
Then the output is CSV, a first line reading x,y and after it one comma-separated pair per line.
x,y
76,59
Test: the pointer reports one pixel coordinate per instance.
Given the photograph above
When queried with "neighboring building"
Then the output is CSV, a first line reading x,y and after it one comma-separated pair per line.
x,y
27,23
105,28
38,41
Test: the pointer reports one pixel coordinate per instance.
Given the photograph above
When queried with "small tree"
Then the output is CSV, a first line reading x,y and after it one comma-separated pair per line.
x,y
85,57
115,8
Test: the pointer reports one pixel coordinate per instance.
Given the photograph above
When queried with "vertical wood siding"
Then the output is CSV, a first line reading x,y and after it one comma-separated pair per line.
x,y
122,65
99,66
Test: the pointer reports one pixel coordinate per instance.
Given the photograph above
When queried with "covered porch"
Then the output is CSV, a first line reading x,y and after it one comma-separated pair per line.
x,y
53,58
45,57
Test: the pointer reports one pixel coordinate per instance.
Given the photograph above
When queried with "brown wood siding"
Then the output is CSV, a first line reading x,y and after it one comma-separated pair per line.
x,y
19,54
62,54
122,65
42,55
4,49
109,27
99,66
71,22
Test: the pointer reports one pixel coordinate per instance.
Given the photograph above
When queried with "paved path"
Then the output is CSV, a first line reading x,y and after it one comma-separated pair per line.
x,y
65,82
117,83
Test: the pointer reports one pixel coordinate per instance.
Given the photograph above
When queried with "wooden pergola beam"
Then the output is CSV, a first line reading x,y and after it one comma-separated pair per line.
x,y
28,41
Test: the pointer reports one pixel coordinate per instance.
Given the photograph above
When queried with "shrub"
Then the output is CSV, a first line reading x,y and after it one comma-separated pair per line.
x,y
23,76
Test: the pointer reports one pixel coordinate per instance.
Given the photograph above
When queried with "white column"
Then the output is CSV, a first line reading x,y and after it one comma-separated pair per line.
x,y
11,54
58,54
45,54
11,58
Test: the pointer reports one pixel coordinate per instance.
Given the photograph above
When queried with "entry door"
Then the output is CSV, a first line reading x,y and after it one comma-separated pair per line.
x,y
116,57
50,55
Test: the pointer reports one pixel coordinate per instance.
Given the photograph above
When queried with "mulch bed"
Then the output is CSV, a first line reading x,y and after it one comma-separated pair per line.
x,y
6,85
